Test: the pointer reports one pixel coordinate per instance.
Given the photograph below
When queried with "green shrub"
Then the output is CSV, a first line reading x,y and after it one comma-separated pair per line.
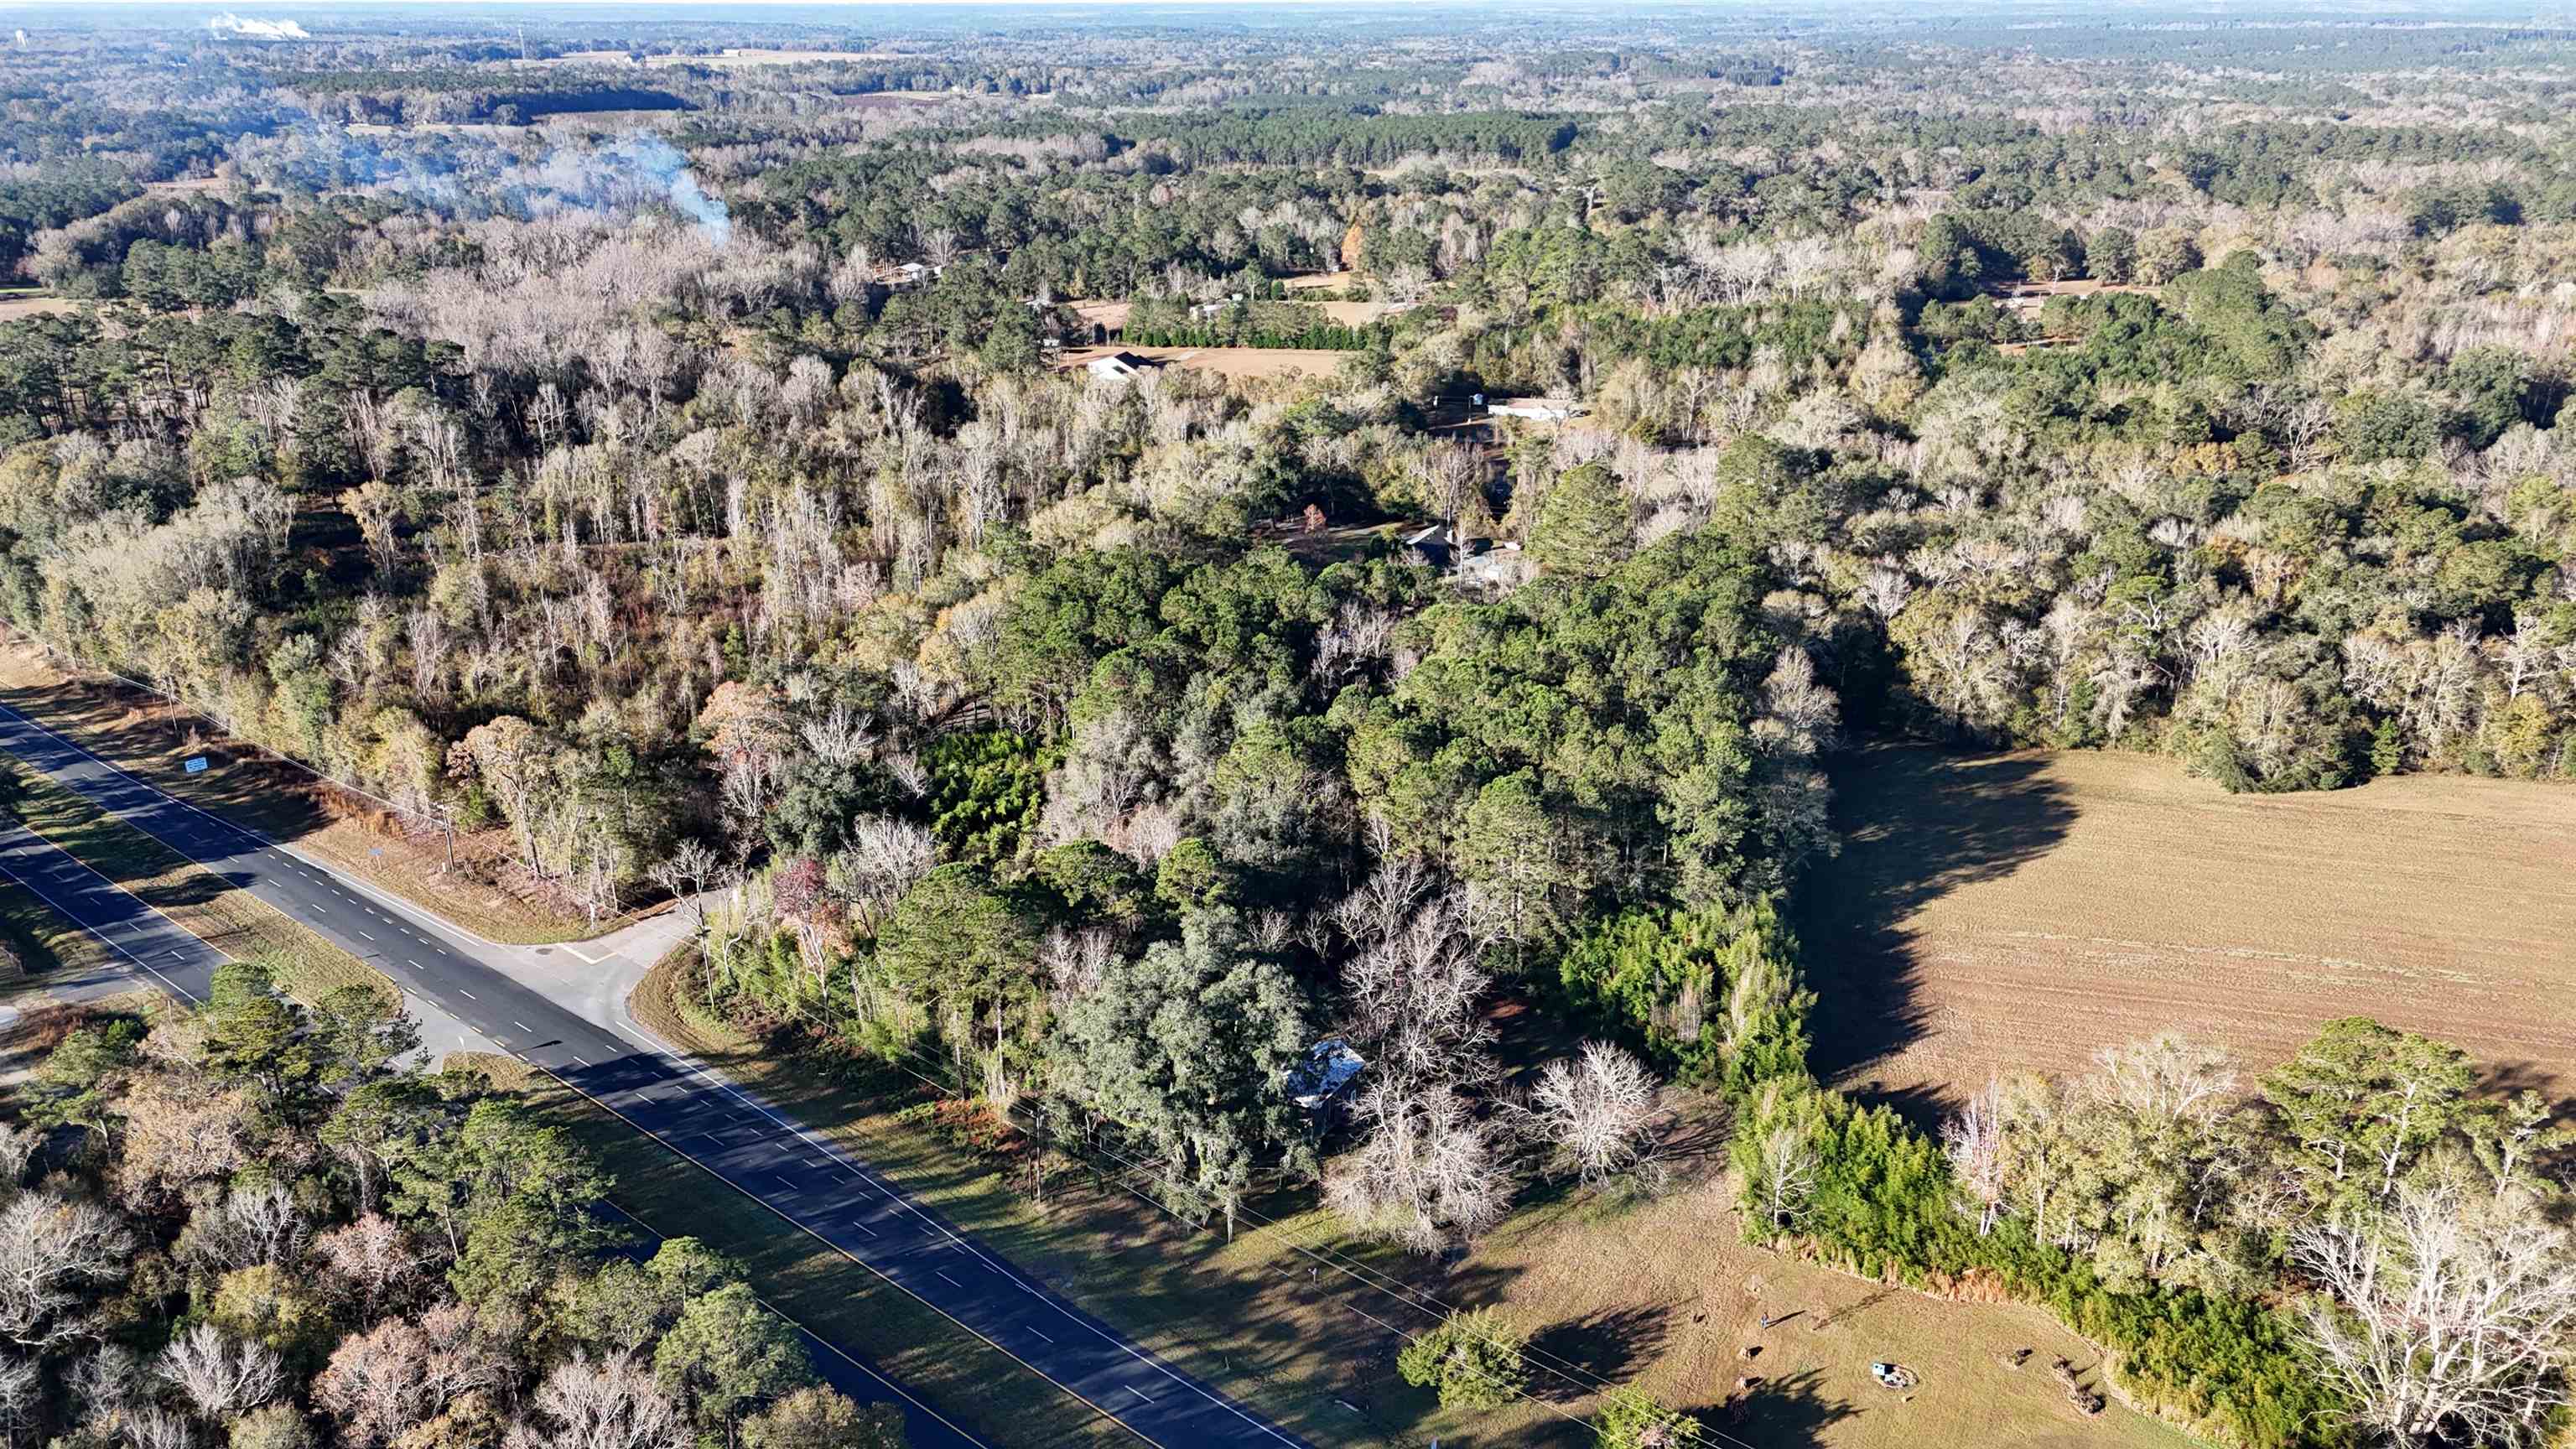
x,y
1473,1359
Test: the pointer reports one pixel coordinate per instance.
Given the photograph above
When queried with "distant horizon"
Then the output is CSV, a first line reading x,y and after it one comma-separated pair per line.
x,y
2215,11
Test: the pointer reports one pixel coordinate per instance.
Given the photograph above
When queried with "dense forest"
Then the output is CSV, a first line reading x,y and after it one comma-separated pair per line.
x,y
268,1233
666,470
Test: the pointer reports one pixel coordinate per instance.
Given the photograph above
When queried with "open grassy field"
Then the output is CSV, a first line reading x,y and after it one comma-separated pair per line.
x,y
1663,1295
2026,909
17,305
154,740
1660,1294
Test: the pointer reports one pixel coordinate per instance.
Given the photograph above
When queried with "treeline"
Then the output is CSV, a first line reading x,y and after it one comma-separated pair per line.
x,y
1320,136
448,95
249,1224
77,371
2158,1207
1083,234
1249,323
1040,916
27,207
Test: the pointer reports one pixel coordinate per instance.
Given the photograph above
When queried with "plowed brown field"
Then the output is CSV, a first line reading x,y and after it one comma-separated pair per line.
x,y
2027,909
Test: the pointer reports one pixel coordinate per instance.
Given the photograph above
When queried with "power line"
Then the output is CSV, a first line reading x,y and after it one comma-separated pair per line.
x,y
1570,1373
1421,1300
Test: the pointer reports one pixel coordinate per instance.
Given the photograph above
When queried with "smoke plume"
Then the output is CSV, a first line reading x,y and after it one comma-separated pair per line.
x,y
230,24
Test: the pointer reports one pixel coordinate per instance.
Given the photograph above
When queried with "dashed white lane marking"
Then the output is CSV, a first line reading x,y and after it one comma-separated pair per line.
x,y
1042,1336
579,1062
370,938
863,1227
782,1181
1140,1393
943,1277
523,1026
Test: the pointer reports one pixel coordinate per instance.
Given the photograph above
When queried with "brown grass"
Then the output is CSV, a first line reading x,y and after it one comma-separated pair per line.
x,y
154,739
1664,1296
1243,1315
2026,909
1233,362
14,308
39,1026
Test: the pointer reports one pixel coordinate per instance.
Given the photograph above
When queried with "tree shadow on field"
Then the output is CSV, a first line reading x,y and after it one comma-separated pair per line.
x,y
2503,1081
1571,1358
1917,823
1777,1413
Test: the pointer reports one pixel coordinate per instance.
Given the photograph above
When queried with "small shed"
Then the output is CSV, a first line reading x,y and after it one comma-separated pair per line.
x,y
1329,1068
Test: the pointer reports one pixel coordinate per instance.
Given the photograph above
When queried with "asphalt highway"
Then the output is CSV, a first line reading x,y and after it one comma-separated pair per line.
x,y
812,1186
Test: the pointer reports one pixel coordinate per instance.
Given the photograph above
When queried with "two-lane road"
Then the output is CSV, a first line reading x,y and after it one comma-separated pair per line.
x,y
752,1147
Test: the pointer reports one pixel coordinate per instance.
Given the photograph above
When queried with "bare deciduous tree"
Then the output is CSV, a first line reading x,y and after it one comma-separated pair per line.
x,y
1418,979
49,1249
1428,1169
382,1382
18,1144
249,1225
1599,1111
884,857
1974,1140
841,737
606,1404
108,1383
152,1428
684,873
374,1256
220,1374
2448,1317
1778,1156
22,1389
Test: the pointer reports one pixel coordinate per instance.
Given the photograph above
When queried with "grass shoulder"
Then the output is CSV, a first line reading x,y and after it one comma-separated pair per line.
x,y
1658,1292
232,921
1251,1316
825,1291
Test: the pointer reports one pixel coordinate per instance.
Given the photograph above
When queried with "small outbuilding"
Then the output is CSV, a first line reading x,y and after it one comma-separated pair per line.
x,y
1537,409
1329,1068
1120,364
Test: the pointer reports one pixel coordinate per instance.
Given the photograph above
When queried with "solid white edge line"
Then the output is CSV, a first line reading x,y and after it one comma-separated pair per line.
x,y
899,1390
34,890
